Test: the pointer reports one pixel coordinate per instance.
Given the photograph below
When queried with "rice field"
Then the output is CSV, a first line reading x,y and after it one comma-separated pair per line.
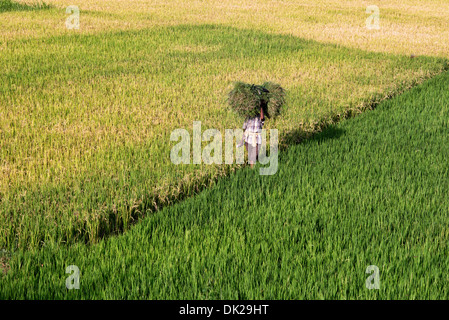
x,y
86,114
371,190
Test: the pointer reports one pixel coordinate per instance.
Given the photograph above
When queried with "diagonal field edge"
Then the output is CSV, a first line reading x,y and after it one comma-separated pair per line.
x,y
195,184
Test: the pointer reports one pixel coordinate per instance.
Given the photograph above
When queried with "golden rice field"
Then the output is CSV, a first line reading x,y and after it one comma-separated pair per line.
x,y
419,27
86,114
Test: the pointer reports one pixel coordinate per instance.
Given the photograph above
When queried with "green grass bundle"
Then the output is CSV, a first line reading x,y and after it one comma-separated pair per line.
x,y
247,99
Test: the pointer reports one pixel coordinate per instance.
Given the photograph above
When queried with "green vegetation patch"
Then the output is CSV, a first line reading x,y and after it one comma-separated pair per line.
x,y
10,5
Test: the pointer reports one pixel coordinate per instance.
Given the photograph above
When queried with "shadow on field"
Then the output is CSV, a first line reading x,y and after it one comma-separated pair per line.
x,y
10,5
298,136
331,132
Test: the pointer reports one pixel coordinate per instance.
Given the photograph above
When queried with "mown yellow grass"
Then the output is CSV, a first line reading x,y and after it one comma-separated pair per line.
x,y
406,27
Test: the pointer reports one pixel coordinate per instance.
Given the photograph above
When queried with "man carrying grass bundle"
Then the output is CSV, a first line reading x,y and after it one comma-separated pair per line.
x,y
253,102
251,136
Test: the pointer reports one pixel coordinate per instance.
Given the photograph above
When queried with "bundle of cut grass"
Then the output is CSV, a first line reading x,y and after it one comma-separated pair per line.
x,y
276,99
247,99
